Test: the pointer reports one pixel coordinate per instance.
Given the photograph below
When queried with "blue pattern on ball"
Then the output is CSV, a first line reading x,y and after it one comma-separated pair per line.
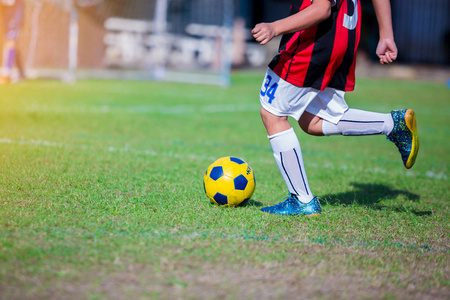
x,y
237,160
240,182
221,199
216,173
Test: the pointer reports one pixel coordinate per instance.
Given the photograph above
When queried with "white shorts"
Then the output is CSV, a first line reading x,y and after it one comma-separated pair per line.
x,y
282,98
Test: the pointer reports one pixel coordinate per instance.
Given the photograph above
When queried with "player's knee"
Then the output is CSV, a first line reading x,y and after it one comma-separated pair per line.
x,y
273,123
311,129
305,127
311,124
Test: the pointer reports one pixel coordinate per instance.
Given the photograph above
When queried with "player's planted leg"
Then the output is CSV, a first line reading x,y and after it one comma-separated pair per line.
x,y
289,159
292,206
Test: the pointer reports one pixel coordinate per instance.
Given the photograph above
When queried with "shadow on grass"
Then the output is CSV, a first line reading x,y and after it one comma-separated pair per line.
x,y
251,202
245,203
370,195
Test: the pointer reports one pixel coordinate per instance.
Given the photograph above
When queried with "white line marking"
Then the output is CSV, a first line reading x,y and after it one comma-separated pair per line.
x,y
124,149
432,174
143,109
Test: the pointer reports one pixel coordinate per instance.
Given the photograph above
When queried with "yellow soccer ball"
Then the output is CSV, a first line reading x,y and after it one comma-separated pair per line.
x,y
229,181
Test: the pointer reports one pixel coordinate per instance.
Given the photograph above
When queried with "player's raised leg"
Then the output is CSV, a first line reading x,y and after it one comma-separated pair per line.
x,y
399,127
357,122
404,135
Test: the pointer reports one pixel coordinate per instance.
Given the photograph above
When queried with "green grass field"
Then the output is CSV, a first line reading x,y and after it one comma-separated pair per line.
x,y
101,197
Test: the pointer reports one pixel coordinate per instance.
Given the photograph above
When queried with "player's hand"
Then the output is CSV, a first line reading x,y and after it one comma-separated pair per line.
x,y
386,51
263,33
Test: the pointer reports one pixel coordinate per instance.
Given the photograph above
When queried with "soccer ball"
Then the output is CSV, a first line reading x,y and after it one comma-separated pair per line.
x,y
229,181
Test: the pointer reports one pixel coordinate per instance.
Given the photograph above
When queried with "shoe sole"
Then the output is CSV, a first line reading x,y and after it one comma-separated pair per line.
x,y
311,215
410,120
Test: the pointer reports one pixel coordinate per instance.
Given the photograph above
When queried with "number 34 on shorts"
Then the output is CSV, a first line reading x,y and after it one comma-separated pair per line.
x,y
269,88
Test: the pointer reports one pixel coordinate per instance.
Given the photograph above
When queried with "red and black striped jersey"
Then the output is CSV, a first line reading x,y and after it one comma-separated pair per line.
x,y
323,55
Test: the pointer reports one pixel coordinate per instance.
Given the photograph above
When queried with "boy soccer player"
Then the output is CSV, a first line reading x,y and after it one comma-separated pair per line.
x,y
307,80
12,22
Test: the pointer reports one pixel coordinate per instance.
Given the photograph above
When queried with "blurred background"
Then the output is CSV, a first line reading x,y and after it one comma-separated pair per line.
x,y
202,41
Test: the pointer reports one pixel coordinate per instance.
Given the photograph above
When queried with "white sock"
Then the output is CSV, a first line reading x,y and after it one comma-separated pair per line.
x,y
288,155
360,122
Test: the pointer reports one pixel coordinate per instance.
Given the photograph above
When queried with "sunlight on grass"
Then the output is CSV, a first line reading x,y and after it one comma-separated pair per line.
x,y
101,182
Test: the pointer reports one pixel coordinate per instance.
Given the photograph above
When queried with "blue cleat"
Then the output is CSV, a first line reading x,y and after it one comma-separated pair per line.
x,y
291,206
404,135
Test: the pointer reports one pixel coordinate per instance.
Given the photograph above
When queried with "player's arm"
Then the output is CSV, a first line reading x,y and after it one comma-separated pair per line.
x,y
317,12
386,50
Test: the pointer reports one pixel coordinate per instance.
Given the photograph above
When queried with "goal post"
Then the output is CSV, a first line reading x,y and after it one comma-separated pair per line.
x,y
174,40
